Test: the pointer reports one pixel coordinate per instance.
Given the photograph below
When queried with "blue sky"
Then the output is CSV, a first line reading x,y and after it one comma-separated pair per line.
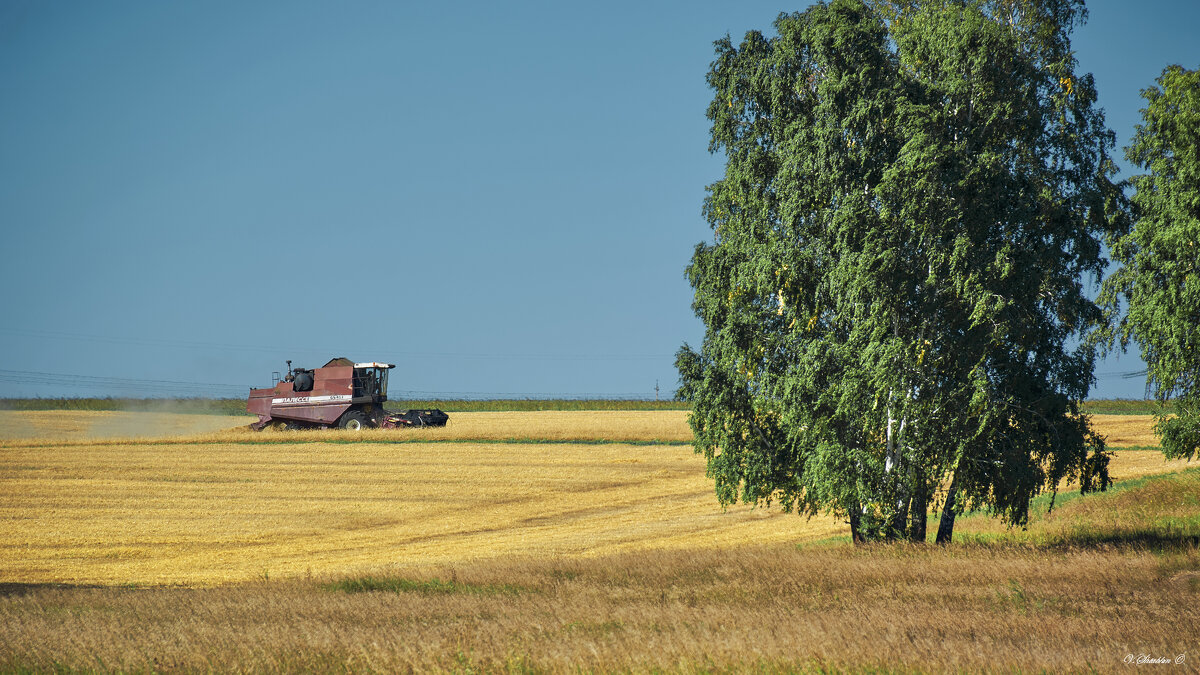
x,y
499,198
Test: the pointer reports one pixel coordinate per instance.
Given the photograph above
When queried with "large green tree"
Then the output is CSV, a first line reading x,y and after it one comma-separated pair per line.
x,y
1159,277
912,196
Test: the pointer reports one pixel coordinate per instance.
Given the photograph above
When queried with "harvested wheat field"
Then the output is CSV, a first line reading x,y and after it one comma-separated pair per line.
x,y
96,424
574,425
217,511
235,504
1123,431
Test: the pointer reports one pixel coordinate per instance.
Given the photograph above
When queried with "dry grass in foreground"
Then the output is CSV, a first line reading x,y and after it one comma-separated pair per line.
x,y
766,608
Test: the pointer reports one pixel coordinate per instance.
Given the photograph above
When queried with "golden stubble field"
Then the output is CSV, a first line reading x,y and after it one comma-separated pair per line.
x,y
92,504
240,505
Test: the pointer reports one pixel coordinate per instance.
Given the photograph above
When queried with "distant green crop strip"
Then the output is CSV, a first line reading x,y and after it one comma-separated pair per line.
x,y
348,441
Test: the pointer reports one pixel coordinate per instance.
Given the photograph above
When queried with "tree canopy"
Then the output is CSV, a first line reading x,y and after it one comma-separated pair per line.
x,y
1159,277
894,290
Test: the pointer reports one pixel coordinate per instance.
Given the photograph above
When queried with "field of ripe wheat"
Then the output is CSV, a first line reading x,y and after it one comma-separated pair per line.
x,y
84,500
148,513
64,425
561,425
661,426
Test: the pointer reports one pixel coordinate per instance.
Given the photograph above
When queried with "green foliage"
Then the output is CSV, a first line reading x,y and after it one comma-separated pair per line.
x,y
911,199
1159,277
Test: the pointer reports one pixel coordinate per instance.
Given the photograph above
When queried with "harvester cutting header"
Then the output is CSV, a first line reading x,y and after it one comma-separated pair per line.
x,y
341,393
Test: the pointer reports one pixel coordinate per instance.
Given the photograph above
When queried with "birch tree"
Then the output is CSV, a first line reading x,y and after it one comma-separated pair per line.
x,y
910,201
1159,276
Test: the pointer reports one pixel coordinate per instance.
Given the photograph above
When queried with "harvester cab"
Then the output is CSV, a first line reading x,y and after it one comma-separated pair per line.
x,y
370,380
341,393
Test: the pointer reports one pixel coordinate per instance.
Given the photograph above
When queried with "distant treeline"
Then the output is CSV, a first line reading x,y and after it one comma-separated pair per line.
x,y
237,406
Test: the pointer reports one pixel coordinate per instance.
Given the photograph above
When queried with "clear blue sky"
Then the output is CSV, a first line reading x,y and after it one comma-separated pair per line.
x,y
500,198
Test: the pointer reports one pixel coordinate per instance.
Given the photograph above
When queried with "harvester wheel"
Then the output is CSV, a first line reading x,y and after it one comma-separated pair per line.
x,y
292,426
354,420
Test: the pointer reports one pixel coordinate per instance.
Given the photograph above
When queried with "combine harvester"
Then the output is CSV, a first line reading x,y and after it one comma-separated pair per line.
x,y
341,393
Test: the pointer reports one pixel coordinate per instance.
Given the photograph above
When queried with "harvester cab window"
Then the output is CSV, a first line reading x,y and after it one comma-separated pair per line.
x,y
370,382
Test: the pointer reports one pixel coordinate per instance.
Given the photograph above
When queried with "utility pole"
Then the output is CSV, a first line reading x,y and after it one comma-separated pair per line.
x,y
656,391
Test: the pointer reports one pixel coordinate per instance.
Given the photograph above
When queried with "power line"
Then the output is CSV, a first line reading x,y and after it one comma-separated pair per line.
x,y
275,349
1127,375
123,384
183,389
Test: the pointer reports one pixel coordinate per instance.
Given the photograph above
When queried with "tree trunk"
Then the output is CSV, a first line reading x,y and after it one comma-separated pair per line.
x,y
856,534
920,515
946,527
896,529
894,465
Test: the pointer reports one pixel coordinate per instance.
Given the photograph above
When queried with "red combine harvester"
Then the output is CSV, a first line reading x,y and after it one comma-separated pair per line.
x,y
341,393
